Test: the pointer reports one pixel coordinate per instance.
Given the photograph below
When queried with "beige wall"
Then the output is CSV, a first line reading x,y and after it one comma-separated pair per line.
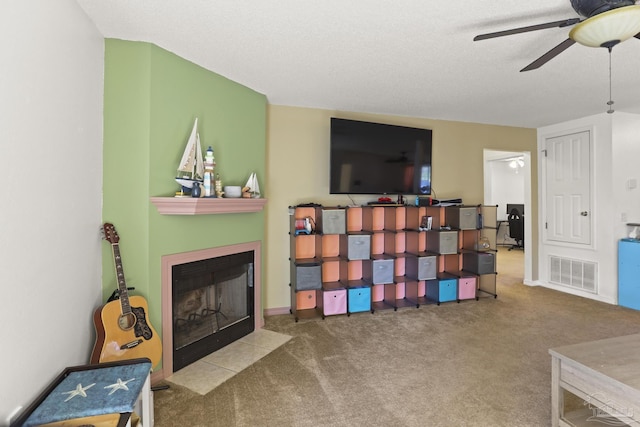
x,y
298,172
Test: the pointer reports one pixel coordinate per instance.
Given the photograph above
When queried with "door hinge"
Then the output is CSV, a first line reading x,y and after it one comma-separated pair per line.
x,y
545,225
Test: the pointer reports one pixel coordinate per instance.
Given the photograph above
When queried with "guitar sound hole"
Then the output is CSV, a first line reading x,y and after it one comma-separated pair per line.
x,y
126,321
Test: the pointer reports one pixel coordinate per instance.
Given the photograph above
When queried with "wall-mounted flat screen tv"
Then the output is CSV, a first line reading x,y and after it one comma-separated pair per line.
x,y
377,158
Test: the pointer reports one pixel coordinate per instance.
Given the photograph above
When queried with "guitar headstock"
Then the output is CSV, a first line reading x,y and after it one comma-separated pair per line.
x,y
109,233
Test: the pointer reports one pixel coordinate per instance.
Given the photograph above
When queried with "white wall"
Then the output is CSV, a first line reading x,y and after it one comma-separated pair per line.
x,y
51,86
616,148
626,157
506,186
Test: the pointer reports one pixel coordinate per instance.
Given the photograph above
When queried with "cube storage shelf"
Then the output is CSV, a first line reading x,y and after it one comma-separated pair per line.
x,y
368,258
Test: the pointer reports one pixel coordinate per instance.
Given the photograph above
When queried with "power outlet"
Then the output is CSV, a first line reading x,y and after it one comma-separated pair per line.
x,y
623,217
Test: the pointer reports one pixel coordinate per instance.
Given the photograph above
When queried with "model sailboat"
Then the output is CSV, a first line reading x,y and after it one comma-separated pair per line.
x,y
252,187
191,167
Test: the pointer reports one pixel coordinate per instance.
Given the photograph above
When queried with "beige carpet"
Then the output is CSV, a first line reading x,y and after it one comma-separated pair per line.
x,y
474,363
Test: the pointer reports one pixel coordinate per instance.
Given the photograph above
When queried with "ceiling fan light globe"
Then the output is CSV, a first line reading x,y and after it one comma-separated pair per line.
x,y
589,8
608,28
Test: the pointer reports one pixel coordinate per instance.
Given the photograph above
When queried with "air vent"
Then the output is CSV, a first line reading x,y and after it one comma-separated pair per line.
x,y
573,273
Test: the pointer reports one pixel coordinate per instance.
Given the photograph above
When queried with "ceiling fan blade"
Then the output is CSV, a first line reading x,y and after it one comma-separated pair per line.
x,y
555,24
549,55
637,36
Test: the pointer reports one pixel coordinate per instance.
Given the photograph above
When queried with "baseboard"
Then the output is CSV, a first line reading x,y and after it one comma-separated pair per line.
x,y
276,311
576,292
156,377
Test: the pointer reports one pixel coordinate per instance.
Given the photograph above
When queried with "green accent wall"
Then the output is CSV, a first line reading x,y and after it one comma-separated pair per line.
x,y
151,99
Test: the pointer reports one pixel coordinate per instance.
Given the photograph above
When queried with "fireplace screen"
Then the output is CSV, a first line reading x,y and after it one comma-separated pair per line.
x,y
212,305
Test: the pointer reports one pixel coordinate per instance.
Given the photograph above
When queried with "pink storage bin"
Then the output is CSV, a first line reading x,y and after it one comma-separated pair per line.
x,y
466,288
335,302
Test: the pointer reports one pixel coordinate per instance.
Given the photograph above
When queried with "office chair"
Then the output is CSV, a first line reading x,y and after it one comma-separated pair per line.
x,y
516,229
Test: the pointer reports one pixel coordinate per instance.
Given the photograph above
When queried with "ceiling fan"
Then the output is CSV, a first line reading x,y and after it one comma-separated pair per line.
x,y
605,24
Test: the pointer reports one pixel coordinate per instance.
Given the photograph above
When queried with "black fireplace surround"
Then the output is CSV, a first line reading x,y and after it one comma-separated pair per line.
x,y
213,305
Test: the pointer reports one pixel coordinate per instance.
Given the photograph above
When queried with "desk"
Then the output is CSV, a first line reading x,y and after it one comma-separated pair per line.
x,y
105,394
605,374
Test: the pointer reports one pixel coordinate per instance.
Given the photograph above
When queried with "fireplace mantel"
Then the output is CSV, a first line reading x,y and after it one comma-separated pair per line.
x,y
205,206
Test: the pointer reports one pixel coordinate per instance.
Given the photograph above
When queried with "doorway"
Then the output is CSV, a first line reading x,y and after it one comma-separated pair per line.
x,y
507,181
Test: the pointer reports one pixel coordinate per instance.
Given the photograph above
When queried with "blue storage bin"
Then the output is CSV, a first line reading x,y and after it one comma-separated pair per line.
x,y
442,290
359,299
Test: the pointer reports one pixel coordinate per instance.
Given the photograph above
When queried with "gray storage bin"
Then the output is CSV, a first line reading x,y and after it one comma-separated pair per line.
x,y
461,217
358,246
334,221
308,277
383,270
479,262
442,242
422,267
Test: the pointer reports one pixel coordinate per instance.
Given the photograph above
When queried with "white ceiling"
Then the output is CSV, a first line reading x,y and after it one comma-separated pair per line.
x,y
403,57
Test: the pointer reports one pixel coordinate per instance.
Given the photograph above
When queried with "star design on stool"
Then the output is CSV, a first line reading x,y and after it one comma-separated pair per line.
x,y
119,385
79,391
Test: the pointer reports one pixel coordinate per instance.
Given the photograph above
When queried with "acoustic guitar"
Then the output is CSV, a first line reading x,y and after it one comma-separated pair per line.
x,y
122,328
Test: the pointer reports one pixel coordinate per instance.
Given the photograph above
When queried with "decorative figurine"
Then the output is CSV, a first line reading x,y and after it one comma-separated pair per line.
x,y
209,166
196,190
218,186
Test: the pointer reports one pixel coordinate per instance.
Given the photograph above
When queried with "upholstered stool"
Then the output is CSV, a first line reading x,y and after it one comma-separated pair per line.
x,y
104,394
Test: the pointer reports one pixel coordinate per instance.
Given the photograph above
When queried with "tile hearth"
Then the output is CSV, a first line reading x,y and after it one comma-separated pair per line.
x,y
209,372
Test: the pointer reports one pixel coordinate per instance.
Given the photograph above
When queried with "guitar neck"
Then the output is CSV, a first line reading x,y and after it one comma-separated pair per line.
x,y
122,285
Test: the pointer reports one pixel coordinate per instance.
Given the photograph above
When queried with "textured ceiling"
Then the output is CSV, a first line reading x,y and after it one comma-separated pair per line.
x,y
404,57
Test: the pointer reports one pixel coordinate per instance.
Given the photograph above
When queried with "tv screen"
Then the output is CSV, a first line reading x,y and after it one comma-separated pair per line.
x,y
376,158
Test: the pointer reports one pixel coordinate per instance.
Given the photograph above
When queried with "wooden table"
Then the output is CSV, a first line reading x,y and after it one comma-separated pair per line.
x,y
605,374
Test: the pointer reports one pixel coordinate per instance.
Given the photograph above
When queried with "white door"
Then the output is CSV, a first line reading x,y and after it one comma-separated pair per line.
x,y
568,188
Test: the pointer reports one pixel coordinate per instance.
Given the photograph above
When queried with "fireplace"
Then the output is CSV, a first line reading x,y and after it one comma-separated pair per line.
x,y
211,298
